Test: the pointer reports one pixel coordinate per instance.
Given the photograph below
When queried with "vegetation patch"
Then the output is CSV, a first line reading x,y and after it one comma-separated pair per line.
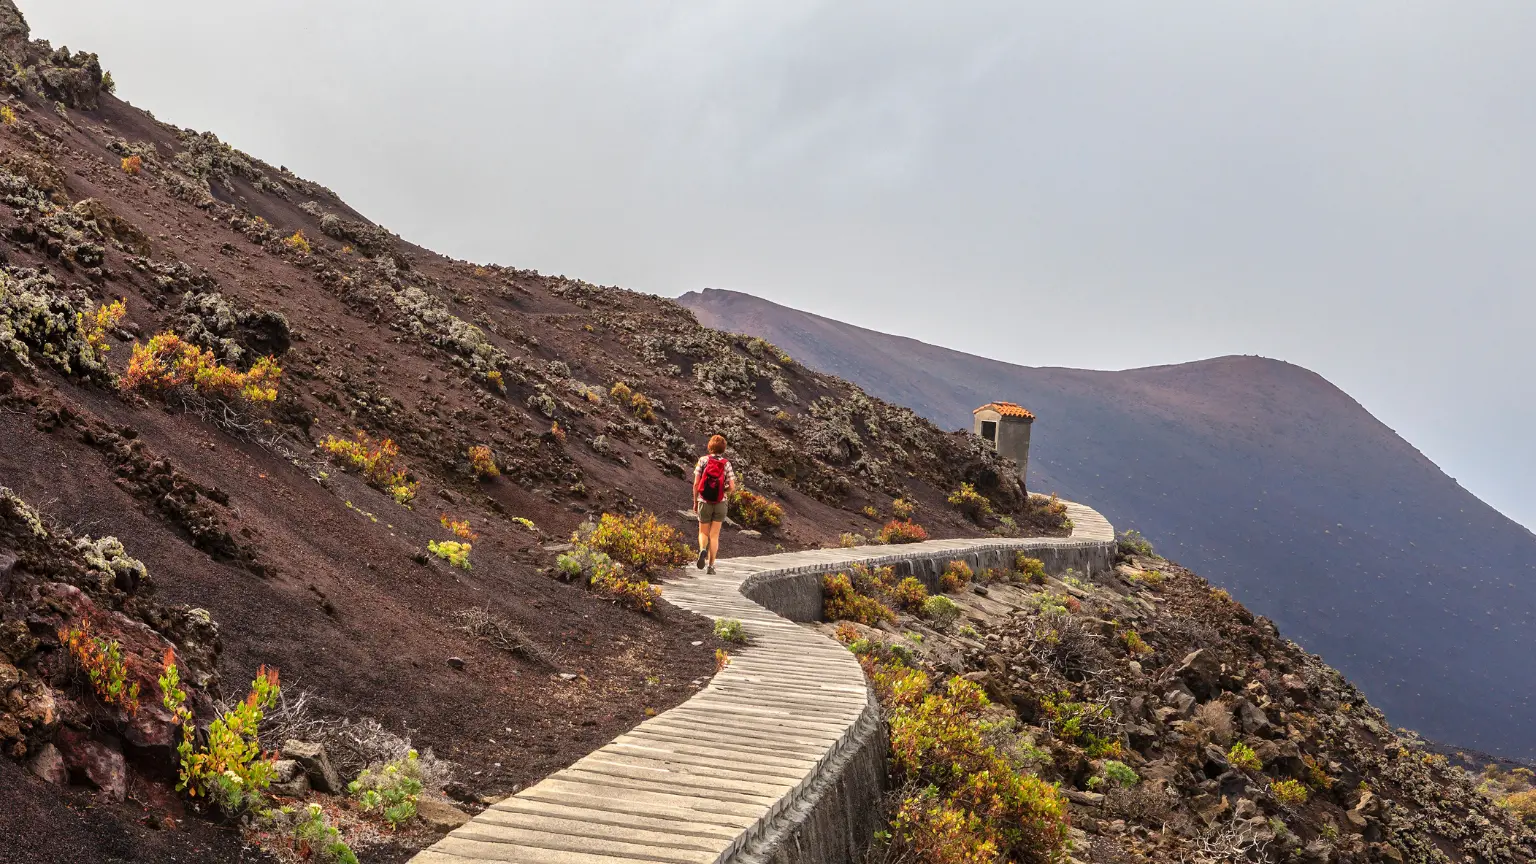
x,y
956,576
961,801
101,659
754,511
226,766
452,551
974,505
730,630
375,462
482,462
897,531
642,543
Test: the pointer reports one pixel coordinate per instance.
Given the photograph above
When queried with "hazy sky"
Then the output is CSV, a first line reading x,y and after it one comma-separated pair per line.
x,y
1347,186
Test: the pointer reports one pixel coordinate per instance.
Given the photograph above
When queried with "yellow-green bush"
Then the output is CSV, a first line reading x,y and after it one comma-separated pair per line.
x,y
910,595
1242,756
975,806
968,501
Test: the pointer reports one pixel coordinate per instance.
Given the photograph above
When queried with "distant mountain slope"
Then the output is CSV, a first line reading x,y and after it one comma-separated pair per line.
x,y
1273,483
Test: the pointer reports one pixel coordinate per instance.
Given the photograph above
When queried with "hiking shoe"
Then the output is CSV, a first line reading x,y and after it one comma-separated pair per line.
x,y
703,556
711,570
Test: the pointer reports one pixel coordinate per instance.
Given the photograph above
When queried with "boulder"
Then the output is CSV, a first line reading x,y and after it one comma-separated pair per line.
x,y
48,763
1180,701
316,764
289,779
439,815
1201,673
1252,720
100,763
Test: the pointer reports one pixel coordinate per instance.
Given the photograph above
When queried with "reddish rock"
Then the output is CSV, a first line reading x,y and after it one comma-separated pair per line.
x,y
99,763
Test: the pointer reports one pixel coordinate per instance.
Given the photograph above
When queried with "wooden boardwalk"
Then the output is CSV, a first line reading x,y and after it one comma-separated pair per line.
x,y
699,783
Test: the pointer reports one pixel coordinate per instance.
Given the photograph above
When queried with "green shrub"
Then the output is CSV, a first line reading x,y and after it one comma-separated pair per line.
x,y
390,789
751,510
897,531
1120,773
957,575
228,767
1131,542
1242,756
315,833
606,577
968,501
731,630
941,610
1134,643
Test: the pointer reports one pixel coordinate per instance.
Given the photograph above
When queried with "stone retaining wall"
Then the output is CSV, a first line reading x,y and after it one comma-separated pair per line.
x,y
780,760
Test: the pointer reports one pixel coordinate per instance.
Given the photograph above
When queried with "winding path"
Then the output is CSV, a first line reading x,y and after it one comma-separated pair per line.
x,y
728,774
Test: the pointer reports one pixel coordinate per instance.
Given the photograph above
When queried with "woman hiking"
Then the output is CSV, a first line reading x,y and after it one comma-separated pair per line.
x,y
713,482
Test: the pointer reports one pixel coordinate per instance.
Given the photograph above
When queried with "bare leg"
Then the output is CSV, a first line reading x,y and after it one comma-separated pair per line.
x,y
714,541
703,536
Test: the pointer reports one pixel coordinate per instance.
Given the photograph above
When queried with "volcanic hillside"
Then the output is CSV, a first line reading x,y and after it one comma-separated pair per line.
x,y
241,542
1269,481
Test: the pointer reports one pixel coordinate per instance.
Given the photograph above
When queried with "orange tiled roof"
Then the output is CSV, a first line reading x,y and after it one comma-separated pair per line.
x,y
1007,409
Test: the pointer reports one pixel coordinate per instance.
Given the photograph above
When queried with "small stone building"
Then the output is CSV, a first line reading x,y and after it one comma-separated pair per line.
x,y
1006,427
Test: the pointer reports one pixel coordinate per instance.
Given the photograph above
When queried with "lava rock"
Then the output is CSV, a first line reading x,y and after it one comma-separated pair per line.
x,y
316,764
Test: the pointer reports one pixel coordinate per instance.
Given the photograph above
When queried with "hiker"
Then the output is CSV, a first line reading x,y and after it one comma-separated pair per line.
x,y
713,482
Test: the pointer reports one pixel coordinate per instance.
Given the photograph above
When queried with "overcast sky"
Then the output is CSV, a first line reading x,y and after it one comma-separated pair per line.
x,y
1347,186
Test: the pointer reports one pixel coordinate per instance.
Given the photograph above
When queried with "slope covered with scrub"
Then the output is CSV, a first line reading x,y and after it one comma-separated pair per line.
x,y
191,342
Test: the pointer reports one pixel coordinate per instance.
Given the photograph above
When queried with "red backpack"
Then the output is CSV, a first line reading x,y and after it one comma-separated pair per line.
x,y
711,488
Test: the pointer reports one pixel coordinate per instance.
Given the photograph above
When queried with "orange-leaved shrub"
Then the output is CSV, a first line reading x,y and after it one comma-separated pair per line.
x,y
169,366
298,242
956,576
132,165
903,509
459,527
641,543
751,510
897,531
483,462
102,661
910,595
840,602
376,462
974,806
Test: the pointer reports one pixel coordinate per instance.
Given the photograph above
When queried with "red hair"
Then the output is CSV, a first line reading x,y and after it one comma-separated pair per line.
x,y
717,444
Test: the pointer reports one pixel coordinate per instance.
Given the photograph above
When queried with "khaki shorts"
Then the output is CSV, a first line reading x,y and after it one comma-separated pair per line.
x,y
712,512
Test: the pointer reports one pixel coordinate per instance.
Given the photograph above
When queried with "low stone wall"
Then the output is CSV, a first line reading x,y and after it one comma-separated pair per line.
x,y
795,593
